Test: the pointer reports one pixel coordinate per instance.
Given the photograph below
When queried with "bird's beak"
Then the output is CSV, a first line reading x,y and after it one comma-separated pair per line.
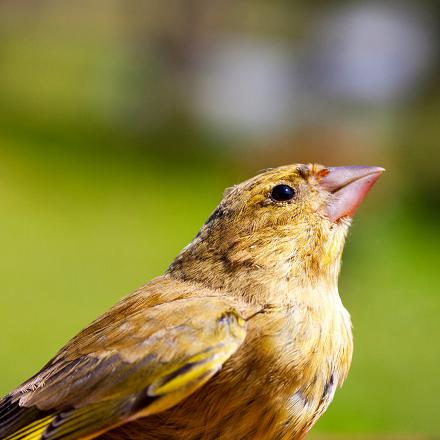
x,y
349,186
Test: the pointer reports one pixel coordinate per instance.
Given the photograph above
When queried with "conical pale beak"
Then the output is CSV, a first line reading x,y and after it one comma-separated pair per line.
x,y
349,186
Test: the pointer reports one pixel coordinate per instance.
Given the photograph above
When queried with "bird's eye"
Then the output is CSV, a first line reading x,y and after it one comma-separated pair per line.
x,y
282,193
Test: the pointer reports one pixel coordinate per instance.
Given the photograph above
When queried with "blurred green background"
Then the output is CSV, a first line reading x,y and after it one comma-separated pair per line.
x,y
122,122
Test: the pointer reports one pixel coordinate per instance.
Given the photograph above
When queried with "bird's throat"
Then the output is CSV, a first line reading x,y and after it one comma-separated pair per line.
x,y
269,274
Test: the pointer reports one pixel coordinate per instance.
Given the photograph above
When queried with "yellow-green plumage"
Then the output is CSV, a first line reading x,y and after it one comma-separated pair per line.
x,y
244,337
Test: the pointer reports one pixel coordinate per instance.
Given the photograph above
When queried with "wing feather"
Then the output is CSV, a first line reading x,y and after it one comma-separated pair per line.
x,y
96,382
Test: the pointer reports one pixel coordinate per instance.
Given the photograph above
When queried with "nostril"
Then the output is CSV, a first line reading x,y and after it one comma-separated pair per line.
x,y
322,173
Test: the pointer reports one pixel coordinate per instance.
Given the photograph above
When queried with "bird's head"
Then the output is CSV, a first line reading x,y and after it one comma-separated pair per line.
x,y
288,222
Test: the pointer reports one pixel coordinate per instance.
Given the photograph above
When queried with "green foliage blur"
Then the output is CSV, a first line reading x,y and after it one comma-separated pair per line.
x,y
108,167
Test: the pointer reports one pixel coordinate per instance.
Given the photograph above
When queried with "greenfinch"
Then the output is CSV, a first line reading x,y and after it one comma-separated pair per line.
x,y
244,336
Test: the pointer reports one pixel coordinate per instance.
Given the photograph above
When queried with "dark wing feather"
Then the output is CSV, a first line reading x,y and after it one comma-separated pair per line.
x,y
124,366
14,417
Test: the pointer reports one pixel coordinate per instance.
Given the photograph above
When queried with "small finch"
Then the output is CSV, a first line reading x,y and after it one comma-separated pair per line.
x,y
244,336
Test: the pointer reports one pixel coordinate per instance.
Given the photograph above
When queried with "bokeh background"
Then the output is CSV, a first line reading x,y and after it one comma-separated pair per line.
x,y
122,122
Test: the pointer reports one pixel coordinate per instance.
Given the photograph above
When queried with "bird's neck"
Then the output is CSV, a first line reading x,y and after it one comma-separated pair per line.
x,y
265,275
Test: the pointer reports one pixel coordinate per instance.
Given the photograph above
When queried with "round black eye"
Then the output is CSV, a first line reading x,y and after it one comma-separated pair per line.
x,y
282,193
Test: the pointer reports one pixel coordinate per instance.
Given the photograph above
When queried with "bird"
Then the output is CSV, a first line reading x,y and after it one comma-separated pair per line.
x,y
243,337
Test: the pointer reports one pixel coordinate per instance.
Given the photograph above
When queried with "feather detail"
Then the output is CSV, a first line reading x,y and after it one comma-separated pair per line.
x,y
90,386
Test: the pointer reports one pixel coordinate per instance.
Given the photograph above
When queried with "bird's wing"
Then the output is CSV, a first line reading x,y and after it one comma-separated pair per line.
x,y
129,363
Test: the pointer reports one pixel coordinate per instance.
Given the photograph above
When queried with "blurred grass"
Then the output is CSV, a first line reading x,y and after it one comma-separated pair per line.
x,y
78,232
80,229
390,285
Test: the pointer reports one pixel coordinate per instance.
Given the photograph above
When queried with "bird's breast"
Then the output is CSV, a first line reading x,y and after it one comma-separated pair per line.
x,y
305,351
